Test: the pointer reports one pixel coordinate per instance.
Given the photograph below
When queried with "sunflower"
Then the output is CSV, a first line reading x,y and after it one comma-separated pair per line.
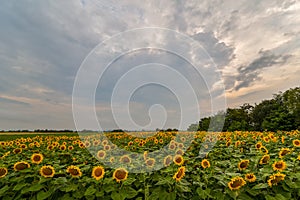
x,y
275,179
107,147
258,145
74,171
3,172
47,171
37,158
178,160
282,139
236,183
21,165
120,174
167,160
112,159
265,159
228,143
101,154
296,143
70,148
50,147
125,159
150,162
98,172
62,147
17,150
250,177
237,143
267,139
205,163
179,174
145,154
172,146
264,150
279,165
179,152
243,164
283,152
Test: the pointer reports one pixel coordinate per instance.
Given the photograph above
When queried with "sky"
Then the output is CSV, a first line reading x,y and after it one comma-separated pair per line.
x,y
180,57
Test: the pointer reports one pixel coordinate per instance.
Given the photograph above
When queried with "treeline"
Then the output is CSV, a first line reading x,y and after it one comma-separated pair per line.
x,y
282,112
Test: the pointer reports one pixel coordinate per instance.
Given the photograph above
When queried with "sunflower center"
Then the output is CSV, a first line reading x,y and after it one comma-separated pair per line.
x,y
244,164
178,160
120,174
236,183
98,172
37,158
278,165
74,172
2,171
21,166
47,171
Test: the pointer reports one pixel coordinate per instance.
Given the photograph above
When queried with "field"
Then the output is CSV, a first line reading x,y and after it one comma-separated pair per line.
x,y
163,165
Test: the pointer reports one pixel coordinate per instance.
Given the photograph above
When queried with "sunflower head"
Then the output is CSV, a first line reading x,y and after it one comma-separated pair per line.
x,y
17,150
250,177
179,174
279,165
120,174
275,179
167,160
37,158
179,152
63,147
243,164
296,143
283,152
150,162
47,171
70,148
98,172
265,159
258,145
74,171
264,150
101,154
125,159
205,163
3,172
21,166
236,183
282,139
178,160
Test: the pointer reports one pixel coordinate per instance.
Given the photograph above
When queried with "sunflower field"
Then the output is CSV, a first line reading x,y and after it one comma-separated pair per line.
x,y
193,165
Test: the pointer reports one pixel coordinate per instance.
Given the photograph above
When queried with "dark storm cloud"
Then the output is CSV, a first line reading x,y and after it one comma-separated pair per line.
x,y
251,73
221,53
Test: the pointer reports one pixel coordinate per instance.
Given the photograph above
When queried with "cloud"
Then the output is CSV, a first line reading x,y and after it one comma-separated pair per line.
x,y
250,73
42,45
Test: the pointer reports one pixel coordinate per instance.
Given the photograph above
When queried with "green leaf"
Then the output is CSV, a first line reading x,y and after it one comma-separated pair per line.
x,y
260,186
130,192
3,190
268,197
117,196
280,197
244,196
90,191
35,188
43,195
19,186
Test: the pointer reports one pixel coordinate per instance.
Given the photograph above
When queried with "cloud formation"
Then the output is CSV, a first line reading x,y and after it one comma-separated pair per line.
x,y
254,44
